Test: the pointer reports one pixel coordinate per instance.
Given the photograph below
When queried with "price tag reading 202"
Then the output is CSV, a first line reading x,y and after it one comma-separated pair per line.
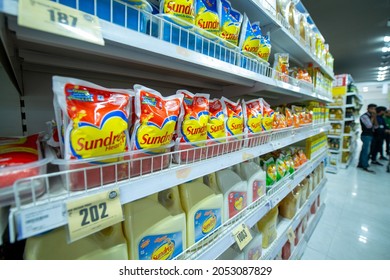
x,y
90,214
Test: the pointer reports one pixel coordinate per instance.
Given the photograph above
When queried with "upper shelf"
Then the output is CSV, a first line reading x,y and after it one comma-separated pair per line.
x,y
281,38
131,54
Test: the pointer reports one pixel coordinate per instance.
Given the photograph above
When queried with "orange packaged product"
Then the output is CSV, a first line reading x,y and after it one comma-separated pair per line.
x,y
154,129
95,131
234,125
253,118
216,132
279,121
302,157
192,127
289,117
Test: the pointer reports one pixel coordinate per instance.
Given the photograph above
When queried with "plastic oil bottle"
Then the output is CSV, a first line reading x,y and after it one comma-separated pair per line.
x,y
107,244
203,207
234,190
255,177
155,226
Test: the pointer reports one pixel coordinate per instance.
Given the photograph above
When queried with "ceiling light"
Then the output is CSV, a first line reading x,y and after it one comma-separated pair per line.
x,y
365,89
385,49
364,228
362,239
379,79
386,39
383,72
383,68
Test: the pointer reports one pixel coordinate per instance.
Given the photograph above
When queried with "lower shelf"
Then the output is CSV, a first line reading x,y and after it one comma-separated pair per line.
x,y
312,224
284,225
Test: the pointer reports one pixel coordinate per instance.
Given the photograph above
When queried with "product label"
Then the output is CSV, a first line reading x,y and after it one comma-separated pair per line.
x,y
237,202
182,9
264,51
160,247
157,118
206,221
258,189
216,124
195,119
207,17
99,121
253,116
230,23
235,121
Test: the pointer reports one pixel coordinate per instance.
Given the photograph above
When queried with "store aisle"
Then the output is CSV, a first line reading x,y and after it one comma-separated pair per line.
x,y
355,224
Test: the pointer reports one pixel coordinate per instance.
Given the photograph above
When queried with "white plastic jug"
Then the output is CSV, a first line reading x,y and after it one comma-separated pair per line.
x,y
253,250
155,226
256,178
234,190
107,244
203,207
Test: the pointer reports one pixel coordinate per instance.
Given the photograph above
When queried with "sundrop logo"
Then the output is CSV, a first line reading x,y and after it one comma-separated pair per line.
x,y
208,24
165,251
209,224
185,9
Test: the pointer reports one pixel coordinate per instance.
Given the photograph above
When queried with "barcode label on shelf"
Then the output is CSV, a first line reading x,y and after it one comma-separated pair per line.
x,y
41,218
93,213
59,19
242,235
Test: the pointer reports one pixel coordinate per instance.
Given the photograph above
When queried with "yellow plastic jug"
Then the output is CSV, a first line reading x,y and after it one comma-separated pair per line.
x,y
256,179
267,226
155,226
234,190
203,207
107,244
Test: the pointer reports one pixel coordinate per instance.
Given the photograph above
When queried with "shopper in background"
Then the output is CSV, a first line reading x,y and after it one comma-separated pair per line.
x,y
387,137
367,122
378,137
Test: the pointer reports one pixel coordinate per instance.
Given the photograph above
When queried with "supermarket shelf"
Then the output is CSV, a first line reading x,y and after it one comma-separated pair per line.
x,y
349,119
285,224
358,96
128,53
334,151
334,136
312,224
282,39
332,169
52,203
214,245
336,121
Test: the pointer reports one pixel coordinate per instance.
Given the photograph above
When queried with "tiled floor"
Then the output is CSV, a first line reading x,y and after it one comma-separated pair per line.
x,y
356,221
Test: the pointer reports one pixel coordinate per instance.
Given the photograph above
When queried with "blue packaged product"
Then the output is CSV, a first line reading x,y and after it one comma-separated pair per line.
x,y
231,21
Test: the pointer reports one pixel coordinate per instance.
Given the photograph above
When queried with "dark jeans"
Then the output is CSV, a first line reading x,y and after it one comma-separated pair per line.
x,y
376,147
388,144
363,158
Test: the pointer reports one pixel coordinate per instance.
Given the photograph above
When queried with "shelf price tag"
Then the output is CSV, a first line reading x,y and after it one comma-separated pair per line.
x,y
55,18
41,218
242,235
291,235
93,213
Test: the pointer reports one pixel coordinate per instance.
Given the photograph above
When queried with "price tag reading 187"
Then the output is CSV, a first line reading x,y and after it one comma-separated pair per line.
x,y
55,18
242,235
90,214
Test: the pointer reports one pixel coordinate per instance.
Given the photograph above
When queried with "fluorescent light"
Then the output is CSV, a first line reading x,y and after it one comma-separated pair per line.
x,y
380,79
354,194
381,76
385,49
383,68
364,228
365,89
386,39
383,72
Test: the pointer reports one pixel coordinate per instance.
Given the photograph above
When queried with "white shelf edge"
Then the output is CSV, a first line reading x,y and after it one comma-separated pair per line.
x,y
278,243
225,239
311,225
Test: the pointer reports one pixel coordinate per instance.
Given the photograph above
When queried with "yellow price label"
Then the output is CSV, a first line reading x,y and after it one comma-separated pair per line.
x,y
242,236
93,213
291,235
246,156
55,18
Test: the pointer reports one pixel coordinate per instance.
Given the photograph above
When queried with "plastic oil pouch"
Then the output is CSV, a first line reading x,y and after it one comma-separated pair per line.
x,y
281,168
268,116
270,169
207,17
216,125
252,116
231,21
98,118
249,42
281,64
192,124
181,12
264,48
235,118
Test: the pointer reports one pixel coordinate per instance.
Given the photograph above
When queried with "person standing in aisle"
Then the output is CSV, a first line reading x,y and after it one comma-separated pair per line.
x,y
367,122
378,137
387,137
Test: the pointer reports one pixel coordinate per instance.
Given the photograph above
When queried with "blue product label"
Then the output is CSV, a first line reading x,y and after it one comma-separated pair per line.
x,y
160,247
206,221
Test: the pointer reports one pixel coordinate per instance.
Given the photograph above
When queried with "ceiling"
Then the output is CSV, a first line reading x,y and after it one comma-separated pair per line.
x,y
354,30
